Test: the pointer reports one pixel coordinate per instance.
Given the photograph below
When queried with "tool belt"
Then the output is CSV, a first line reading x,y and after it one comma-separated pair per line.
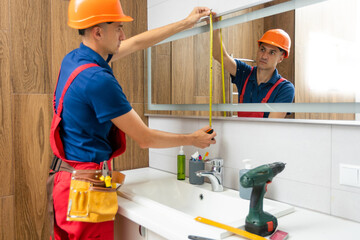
x,y
89,199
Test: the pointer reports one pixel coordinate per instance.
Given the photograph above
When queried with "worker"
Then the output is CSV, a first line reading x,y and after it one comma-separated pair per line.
x,y
263,83
91,112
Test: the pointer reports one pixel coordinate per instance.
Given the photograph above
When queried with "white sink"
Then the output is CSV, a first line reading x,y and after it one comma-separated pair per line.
x,y
163,193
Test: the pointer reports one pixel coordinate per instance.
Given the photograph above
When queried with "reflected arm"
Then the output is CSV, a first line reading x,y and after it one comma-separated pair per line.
x,y
229,62
277,115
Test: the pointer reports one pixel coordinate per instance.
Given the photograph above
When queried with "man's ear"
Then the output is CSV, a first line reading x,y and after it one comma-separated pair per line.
x,y
281,57
96,32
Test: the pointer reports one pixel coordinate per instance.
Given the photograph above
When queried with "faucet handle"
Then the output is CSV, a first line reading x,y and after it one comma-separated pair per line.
x,y
216,162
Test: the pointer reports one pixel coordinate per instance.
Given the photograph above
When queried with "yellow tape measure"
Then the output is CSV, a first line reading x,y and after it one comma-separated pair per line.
x,y
211,68
222,67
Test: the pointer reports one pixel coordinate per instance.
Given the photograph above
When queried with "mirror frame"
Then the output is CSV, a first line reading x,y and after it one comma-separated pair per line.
x,y
246,107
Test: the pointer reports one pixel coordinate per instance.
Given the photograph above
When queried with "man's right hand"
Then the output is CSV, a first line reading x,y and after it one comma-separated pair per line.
x,y
196,14
202,139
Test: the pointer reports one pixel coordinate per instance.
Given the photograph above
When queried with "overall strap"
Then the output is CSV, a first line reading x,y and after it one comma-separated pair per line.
x,y
266,98
241,98
71,78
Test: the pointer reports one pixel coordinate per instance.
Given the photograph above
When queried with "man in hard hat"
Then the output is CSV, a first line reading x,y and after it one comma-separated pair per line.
x,y
91,112
263,83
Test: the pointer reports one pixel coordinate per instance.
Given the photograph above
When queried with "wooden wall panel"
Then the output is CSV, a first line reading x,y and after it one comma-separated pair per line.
x,y
40,38
4,15
129,71
201,62
183,71
32,155
7,230
6,163
161,74
30,45
190,65
183,78
64,38
285,21
134,156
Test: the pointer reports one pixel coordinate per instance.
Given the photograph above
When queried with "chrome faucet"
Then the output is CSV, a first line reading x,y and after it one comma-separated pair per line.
x,y
215,175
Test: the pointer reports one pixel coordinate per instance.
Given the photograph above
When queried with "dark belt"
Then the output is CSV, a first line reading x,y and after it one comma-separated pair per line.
x,y
60,165
57,165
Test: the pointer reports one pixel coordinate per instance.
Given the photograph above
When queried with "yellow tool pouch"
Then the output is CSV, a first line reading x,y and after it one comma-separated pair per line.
x,y
89,199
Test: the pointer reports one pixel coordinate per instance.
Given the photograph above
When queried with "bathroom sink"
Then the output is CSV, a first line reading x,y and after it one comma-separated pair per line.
x,y
162,191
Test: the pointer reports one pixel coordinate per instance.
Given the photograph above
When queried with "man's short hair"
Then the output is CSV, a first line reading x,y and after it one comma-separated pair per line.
x,y
82,31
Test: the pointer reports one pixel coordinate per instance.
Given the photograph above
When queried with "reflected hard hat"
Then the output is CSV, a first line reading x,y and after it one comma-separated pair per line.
x,y
87,13
278,38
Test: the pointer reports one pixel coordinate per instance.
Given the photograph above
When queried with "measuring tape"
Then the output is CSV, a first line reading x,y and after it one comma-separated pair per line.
x,y
222,67
211,68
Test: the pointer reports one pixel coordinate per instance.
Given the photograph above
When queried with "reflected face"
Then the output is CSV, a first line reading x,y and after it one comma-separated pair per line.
x,y
268,56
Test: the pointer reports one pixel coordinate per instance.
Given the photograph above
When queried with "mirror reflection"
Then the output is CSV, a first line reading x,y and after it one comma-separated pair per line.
x,y
321,64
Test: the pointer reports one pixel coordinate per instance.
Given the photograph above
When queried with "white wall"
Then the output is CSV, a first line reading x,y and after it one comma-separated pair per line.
x,y
161,12
312,152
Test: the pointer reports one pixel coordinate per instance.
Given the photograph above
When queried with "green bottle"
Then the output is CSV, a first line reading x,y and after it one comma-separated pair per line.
x,y
181,164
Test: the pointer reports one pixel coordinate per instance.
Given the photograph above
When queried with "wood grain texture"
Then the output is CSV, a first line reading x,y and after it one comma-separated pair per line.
x,y
32,120
40,38
64,39
190,65
129,71
134,156
183,71
30,45
161,74
6,161
7,230
4,15
285,21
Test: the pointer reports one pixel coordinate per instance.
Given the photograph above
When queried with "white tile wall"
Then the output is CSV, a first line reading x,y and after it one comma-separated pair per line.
x,y
312,153
345,204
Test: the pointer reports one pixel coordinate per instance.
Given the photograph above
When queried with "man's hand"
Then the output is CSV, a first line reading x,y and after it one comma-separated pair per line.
x,y
196,14
201,139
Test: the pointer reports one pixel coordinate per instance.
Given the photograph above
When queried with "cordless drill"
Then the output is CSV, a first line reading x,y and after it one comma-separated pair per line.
x,y
258,221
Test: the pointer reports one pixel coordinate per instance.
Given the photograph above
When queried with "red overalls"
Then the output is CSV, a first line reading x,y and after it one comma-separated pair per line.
x,y
60,173
265,99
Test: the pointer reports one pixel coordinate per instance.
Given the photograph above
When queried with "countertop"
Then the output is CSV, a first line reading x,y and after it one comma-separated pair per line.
x,y
301,224
304,224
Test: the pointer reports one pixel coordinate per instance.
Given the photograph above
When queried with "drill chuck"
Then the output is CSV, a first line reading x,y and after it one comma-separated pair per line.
x,y
277,167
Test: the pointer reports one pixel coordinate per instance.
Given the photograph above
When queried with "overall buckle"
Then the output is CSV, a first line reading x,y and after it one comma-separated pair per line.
x,y
56,164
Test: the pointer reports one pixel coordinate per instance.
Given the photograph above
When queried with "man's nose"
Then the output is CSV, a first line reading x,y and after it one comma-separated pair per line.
x,y
122,35
264,55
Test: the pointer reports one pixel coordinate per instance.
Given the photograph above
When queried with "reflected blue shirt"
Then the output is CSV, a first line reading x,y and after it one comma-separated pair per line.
x,y
92,100
254,93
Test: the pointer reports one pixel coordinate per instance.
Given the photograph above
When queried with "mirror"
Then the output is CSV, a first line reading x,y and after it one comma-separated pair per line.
x,y
322,62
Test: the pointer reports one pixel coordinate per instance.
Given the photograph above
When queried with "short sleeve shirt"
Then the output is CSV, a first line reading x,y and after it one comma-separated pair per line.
x,y
254,93
92,100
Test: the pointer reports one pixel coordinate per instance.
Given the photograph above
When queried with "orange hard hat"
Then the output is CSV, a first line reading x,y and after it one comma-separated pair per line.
x,y
278,38
86,13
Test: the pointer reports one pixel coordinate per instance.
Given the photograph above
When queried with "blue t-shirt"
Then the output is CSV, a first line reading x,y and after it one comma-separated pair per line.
x,y
254,93
92,100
